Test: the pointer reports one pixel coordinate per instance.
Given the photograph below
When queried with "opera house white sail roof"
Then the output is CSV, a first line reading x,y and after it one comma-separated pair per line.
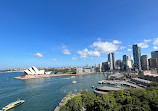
x,y
33,71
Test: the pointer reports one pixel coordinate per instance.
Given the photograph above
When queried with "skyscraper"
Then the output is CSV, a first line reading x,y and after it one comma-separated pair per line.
x,y
111,59
127,62
154,60
105,66
136,57
144,62
99,66
119,64
154,54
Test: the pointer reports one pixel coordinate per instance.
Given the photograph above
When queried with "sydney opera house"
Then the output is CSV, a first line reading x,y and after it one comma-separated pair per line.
x,y
34,71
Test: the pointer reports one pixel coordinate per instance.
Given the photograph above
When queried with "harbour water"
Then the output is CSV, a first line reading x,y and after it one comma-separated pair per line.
x,y
42,94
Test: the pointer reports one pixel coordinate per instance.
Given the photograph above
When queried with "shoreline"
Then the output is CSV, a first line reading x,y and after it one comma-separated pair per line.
x,y
46,76
65,99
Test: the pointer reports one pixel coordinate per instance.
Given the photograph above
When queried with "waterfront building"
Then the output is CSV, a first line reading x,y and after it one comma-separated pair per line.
x,y
79,70
99,67
92,70
33,71
95,65
136,57
87,70
111,59
141,81
144,62
151,77
83,70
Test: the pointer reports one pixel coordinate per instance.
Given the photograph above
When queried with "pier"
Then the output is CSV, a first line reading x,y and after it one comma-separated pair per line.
x,y
117,82
105,89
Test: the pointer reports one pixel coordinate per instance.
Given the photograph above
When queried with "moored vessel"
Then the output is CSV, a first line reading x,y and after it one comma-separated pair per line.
x,y
72,77
13,104
74,82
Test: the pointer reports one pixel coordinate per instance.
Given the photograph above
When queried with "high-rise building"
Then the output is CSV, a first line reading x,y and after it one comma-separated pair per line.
x,y
127,62
105,66
153,63
111,59
154,60
99,67
136,57
154,54
144,62
119,64
124,59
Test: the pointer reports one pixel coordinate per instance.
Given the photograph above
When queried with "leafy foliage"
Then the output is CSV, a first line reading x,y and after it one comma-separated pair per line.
x,y
123,100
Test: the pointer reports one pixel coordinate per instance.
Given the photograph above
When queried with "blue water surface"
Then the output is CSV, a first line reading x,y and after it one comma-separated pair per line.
x,y
42,94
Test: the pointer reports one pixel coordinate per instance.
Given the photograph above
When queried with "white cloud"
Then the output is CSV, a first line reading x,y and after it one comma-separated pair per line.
x,y
84,53
66,51
122,47
147,40
97,48
129,49
38,54
129,45
74,58
144,44
54,59
118,52
155,47
156,41
104,47
99,39
94,53
117,42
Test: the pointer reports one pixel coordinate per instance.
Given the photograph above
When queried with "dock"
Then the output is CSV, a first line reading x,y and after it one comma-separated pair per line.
x,y
118,82
105,89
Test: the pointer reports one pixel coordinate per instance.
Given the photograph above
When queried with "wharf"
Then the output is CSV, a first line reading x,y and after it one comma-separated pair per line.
x,y
117,82
105,89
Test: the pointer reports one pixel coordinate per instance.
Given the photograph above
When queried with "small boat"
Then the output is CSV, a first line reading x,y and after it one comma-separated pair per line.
x,y
118,86
72,77
13,104
92,86
74,82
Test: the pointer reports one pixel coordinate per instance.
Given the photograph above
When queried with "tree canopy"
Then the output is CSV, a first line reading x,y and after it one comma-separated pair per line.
x,y
143,99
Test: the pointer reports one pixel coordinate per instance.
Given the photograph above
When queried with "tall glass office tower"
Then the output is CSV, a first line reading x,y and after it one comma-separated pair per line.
x,y
111,59
136,57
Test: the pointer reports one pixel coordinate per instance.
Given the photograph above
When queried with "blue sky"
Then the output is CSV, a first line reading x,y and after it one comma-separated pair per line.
x,y
59,33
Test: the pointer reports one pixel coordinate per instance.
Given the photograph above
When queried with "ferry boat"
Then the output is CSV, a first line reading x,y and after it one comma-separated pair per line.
x,y
74,82
72,77
13,104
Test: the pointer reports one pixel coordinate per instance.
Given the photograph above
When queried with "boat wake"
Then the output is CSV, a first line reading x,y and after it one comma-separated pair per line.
x,y
65,78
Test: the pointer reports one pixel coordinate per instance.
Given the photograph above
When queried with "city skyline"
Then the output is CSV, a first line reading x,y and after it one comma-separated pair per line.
x,y
44,36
